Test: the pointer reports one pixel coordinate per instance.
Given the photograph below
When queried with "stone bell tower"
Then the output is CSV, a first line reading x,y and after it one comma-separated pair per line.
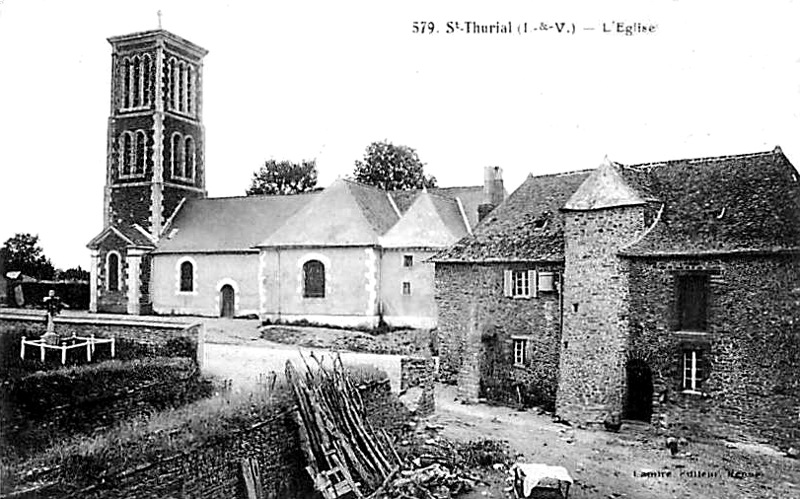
x,y
155,159
156,139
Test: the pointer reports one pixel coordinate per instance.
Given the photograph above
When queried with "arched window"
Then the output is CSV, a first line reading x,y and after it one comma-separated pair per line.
x,y
187,277
126,83
170,75
190,90
137,82
181,87
176,157
189,158
112,271
125,153
141,148
146,78
313,279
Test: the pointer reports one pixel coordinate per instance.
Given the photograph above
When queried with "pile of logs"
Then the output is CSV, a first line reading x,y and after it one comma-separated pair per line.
x,y
346,456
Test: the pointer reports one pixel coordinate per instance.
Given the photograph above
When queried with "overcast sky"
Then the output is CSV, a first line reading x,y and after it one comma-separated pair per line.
x,y
295,80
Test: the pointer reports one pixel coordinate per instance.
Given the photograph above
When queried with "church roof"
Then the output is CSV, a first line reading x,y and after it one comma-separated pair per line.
x,y
729,203
527,226
432,221
470,197
228,224
132,235
344,214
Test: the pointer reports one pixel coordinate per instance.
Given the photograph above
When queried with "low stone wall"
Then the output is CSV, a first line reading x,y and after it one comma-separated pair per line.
x,y
420,372
135,338
42,408
214,470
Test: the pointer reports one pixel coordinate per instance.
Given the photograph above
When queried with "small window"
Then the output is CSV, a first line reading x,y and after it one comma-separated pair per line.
x,y
187,277
691,302
407,288
520,349
408,260
692,370
520,284
112,272
313,279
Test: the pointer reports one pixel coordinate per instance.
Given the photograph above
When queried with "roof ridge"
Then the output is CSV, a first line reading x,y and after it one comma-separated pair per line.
x,y
562,174
255,196
706,159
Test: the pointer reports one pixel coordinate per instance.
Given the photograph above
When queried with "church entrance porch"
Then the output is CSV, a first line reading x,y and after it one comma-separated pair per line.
x,y
227,298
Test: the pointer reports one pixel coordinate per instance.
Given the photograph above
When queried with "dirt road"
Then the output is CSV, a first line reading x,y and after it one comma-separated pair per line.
x,y
632,464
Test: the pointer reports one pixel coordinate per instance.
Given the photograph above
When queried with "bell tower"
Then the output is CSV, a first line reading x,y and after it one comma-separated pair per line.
x,y
156,139
155,159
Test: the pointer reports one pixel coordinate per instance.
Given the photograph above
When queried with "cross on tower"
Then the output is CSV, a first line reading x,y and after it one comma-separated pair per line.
x,y
159,18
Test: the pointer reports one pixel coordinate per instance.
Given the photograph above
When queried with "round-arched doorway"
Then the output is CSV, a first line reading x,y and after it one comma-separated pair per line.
x,y
227,301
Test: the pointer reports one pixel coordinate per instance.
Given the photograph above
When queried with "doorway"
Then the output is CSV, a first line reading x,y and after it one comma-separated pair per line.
x,y
640,391
227,297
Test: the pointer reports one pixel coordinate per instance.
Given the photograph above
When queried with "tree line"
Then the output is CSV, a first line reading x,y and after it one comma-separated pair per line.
x,y
385,165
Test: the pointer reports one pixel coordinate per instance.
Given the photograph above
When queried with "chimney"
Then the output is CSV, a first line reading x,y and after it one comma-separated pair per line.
x,y
493,191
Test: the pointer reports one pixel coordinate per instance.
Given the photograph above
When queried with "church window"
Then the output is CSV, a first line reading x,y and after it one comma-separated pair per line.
x,y
147,80
176,159
140,156
187,277
189,158
313,279
190,90
125,154
112,271
137,82
169,74
126,83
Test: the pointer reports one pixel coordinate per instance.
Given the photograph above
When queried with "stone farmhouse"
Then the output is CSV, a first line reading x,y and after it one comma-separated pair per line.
x,y
348,255
654,291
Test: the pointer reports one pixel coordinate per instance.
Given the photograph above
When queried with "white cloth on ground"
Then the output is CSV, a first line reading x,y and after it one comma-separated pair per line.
x,y
533,473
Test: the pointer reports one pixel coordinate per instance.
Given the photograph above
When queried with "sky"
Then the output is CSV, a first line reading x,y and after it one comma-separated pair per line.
x,y
321,80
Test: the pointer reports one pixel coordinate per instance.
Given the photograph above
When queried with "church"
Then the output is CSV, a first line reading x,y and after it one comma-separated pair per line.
x,y
347,255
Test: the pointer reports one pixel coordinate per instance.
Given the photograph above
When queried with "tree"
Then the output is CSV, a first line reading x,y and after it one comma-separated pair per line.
x,y
22,252
284,177
392,168
74,274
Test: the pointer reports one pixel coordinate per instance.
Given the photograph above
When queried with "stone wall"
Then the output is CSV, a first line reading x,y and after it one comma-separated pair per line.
x,y
594,338
214,470
470,297
134,339
752,341
419,372
47,407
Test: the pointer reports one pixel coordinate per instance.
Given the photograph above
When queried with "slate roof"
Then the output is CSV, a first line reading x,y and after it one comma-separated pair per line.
x,y
730,203
344,214
470,197
527,226
130,234
228,224
432,221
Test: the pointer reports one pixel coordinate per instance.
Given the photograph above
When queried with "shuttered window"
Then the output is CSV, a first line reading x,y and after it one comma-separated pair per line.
x,y
692,302
520,283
